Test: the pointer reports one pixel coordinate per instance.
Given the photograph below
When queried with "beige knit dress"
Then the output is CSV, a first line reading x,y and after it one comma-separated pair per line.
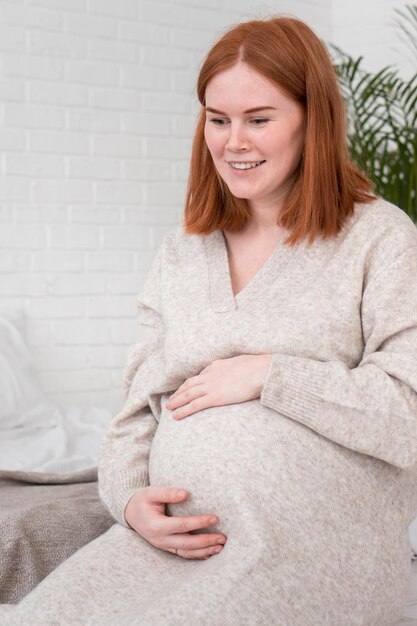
x,y
314,483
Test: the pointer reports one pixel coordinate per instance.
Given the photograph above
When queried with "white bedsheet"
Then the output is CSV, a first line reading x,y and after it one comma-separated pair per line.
x,y
70,443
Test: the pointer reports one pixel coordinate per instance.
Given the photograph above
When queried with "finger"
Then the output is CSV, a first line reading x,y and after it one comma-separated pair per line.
x,y
203,553
192,407
190,382
186,396
189,543
186,524
156,493
185,385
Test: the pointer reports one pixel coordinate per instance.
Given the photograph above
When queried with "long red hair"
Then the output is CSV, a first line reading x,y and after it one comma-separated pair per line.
x,y
326,183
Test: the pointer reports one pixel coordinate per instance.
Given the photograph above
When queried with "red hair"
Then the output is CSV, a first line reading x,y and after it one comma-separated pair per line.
x,y
326,182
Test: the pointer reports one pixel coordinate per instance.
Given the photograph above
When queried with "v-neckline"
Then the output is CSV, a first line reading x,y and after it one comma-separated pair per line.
x,y
221,291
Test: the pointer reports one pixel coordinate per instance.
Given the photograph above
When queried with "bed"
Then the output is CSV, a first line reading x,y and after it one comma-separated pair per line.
x,y
49,503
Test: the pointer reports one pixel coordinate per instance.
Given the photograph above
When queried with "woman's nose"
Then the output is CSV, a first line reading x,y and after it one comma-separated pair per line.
x,y
237,139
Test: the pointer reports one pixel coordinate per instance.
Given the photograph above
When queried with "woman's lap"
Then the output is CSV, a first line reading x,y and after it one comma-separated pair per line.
x,y
120,579
118,568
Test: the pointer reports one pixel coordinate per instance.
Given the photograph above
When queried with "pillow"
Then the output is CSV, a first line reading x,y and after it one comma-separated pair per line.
x,y
23,402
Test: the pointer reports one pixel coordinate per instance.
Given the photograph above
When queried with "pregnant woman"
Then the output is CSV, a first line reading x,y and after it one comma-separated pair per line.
x,y
275,383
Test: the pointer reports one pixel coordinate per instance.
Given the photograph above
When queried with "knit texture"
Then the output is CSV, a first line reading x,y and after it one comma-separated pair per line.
x,y
314,483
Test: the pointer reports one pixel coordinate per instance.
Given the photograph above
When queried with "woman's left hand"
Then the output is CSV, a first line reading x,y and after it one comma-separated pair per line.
x,y
225,381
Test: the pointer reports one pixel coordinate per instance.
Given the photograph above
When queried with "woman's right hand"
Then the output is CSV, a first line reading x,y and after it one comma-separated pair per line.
x,y
145,513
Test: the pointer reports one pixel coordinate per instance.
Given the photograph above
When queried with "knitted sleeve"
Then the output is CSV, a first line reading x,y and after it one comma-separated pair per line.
x,y
124,451
371,408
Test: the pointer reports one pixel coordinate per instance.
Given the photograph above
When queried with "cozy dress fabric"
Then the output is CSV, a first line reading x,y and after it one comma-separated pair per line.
x,y
314,483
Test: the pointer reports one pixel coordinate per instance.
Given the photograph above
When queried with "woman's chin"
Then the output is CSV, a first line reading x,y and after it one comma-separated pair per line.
x,y
238,191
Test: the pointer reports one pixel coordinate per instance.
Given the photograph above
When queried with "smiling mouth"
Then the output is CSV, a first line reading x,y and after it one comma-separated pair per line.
x,y
245,165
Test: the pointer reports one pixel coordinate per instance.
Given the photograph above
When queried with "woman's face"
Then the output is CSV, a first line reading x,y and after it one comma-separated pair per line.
x,y
254,151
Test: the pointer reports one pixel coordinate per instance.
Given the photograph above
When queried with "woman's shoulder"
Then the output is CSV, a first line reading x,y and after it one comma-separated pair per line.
x,y
383,226
382,220
379,232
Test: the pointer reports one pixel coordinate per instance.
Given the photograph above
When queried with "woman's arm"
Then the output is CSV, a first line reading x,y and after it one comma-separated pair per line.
x,y
124,452
372,408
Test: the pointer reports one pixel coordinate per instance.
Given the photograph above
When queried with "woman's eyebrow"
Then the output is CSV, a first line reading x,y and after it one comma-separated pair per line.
x,y
263,108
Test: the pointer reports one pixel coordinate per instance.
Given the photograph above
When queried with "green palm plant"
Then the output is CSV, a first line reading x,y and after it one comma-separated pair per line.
x,y
382,114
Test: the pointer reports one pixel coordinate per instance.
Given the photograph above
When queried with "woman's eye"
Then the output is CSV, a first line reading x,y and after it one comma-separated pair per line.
x,y
259,120
218,121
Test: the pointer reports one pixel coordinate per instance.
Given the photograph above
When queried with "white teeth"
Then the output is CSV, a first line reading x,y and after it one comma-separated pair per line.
x,y
239,165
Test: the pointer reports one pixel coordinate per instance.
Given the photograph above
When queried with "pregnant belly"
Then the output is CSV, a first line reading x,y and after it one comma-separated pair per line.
x,y
287,499
245,461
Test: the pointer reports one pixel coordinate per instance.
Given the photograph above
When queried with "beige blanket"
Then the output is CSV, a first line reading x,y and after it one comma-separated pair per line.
x,y
44,518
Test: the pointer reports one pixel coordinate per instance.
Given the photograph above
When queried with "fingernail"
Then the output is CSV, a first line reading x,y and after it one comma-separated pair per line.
x,y
213,520
181,493
217,550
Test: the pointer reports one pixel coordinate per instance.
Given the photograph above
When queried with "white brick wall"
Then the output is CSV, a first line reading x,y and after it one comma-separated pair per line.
x,y
97,109
368,29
